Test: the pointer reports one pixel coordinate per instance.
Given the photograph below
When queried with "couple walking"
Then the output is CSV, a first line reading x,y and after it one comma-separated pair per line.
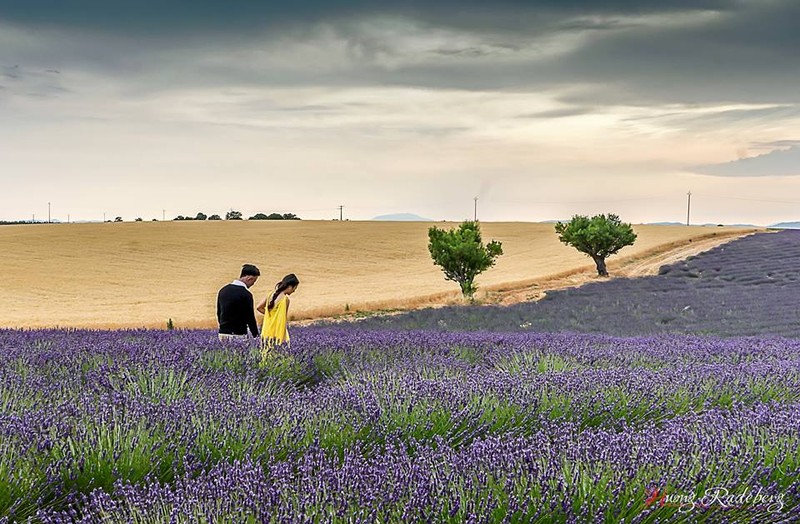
x,y
235,311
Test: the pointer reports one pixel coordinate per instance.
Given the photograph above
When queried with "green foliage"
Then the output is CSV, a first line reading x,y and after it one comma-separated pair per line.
x,y
233,215
215,217
170,325
201,216
274,216
462,255
598,237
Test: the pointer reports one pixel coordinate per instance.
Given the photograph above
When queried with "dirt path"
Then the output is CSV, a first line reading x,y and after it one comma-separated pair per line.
x,y
642,264
637,266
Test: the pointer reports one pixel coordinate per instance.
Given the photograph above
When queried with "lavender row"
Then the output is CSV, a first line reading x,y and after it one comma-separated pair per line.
x,y
745,287
559,474
81,411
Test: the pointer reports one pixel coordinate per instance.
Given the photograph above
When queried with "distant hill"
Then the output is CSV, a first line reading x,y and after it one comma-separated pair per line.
x,y
786,225
403,217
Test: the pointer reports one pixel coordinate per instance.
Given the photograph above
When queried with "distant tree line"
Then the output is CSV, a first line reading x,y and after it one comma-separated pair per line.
x,y
237,215
19,222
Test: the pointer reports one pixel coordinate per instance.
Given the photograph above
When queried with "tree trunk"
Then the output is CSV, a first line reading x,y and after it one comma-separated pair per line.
x,y
468,290
600,262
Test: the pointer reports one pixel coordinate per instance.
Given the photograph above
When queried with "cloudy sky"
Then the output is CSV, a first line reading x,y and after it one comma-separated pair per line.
x,y
541,109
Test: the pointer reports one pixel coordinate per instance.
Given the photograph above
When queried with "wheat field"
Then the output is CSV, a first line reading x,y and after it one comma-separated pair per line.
x,y
119,275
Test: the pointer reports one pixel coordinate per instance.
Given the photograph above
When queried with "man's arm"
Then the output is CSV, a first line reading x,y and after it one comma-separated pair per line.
x,y
251,321
219,309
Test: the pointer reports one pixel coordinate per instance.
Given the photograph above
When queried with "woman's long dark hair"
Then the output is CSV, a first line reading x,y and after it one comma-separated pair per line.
x,y
288,281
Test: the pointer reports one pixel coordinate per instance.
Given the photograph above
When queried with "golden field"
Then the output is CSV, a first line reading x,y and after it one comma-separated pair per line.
x,y
142,274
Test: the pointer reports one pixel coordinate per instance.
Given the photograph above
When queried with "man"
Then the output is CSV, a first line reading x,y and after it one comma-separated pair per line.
x,y
235,311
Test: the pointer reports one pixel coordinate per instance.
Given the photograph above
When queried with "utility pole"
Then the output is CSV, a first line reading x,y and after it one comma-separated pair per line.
x,y
476,209
688,206
104,218
341,213
48,213
34,218
163,215
68,218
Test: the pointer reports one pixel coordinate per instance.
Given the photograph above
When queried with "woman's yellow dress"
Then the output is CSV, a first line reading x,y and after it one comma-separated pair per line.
x,y
274,331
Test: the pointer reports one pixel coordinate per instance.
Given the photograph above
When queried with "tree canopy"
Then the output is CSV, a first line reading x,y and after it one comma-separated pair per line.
x,y
598,237
462,255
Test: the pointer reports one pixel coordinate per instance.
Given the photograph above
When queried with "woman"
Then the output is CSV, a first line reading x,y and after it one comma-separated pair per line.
x,y
276,312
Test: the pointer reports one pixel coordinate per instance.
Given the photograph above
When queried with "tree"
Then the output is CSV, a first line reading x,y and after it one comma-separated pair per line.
x,y
259,216
138,219
180,217
215,217
201,216
290,216
233,215
461,254
275,216
118,219
598,237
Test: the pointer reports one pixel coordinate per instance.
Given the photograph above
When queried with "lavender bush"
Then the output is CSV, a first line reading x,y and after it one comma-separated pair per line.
x,y
746,287
398,426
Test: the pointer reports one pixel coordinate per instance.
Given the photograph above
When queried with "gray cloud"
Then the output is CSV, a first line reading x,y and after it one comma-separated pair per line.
x,y
560,113
34,83
776,163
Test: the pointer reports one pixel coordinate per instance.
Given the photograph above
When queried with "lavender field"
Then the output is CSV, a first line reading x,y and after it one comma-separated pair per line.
x,y
748,286
371,426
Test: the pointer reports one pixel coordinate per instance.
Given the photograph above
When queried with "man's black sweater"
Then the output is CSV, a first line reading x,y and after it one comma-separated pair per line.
x,y
235,311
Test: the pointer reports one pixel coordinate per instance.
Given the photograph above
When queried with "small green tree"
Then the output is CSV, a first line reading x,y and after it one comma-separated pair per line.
x,y
201,216
233,215
259,216
215,217
598,237
461,254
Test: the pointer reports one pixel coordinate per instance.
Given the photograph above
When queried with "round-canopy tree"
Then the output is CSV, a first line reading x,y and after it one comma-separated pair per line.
x,y
599,237
461,254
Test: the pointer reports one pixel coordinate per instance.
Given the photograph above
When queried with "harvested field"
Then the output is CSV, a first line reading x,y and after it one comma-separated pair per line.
x,y
142,274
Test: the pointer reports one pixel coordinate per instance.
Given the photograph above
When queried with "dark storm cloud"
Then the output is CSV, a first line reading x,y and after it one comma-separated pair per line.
x,y
156,16
746,52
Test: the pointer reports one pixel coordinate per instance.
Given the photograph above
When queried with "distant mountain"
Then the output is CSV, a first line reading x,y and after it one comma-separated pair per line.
x,y
402,217
786,225
664,224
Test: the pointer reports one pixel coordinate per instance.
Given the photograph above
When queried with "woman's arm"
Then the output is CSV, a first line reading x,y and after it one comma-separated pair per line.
x,y
262,306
